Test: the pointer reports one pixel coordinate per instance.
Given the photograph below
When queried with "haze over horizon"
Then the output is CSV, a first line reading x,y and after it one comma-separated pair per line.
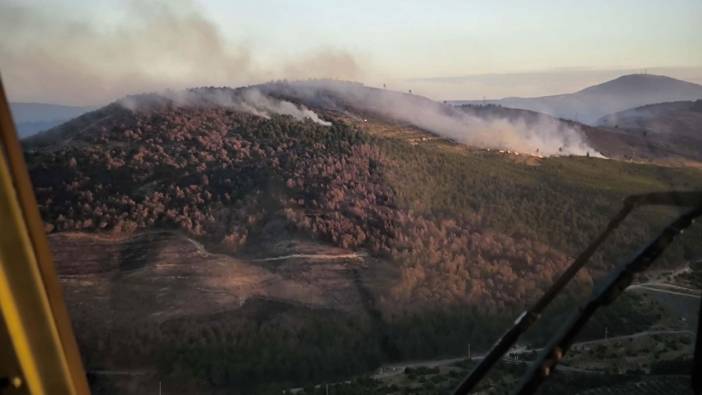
x,y
464,51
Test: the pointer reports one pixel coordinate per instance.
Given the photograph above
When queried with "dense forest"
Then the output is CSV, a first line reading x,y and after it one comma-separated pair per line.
x,y
220,176
463,227
475,235
268,346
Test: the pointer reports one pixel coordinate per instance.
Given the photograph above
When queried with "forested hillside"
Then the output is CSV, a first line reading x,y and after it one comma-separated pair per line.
x,y
471,235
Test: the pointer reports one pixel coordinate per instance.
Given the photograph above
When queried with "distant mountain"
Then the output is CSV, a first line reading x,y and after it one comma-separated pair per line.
x,y
675,127
590,104
31,118
682,118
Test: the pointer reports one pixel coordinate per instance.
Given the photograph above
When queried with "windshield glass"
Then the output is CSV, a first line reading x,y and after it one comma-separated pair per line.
x,y
262,197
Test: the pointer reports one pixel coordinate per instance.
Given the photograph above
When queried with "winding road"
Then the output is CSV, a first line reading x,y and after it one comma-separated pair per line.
x,y
312,256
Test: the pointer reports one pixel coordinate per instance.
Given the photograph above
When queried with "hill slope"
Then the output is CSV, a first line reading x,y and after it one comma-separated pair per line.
x,y
681,119
676,127
592,103
359,102
288,233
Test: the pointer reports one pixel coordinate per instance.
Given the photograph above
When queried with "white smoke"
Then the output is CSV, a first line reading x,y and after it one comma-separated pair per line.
x,y
256,102
248,100
546,136
49,52
540,135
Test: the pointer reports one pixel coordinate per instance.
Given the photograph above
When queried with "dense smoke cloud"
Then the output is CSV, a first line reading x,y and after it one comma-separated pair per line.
x,y
546,136
84,60
255,101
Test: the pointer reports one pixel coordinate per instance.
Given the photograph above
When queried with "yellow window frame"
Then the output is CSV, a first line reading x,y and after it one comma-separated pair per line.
x,y
42,356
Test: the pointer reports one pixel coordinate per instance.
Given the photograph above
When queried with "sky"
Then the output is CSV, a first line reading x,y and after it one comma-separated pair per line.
x,y
90,53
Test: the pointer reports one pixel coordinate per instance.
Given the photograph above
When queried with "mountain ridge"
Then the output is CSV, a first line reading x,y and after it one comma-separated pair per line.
x,y
591,103
166,211
32,117
296,98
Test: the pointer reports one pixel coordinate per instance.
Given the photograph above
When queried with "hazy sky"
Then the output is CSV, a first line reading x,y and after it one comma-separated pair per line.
x,y
79,52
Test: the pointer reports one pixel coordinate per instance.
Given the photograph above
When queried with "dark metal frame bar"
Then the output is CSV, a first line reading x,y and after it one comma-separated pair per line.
x,y
553,353
528,317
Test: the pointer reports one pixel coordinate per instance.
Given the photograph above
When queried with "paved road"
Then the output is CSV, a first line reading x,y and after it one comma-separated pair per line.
x,y
561,367
662,290
399,368
633,336
659,285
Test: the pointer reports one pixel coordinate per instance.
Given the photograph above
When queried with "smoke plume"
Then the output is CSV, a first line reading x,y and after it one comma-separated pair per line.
x,y
538,135
248,100
50,55
546,136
